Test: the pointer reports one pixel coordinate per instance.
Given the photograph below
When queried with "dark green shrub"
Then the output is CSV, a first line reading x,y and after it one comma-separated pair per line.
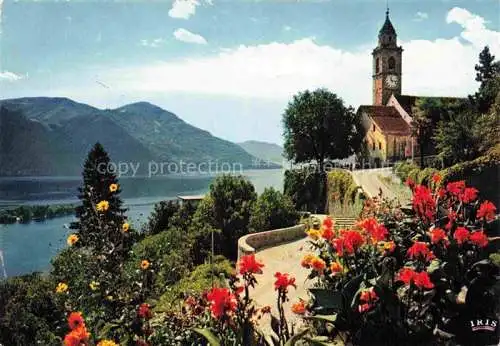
x,y
424,177
403,169
30,313
160,217
272,210
306,189
413,174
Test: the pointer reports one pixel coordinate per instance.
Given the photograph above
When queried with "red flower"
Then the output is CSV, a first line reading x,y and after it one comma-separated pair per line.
x,y
338,244
372,227
221,302
487,211
441,193
422,280
423,203
461,235
437,235
452,216
328,222
299,308
469,195
456,187
479,238
283,281
144,311
420,250
368,295
248,264
75,320
327,233
409,182
364,307
406,275
436,178
352,240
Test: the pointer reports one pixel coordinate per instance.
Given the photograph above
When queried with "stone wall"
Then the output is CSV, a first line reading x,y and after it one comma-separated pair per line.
x,y
253,242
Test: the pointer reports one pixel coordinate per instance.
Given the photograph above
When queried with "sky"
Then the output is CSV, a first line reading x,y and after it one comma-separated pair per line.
x,y
231,66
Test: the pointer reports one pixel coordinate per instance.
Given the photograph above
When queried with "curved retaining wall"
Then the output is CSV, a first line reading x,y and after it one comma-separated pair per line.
x,y
253,242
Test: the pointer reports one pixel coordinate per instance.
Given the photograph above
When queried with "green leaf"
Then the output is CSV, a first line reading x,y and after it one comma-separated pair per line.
x,y
317,340
296,337
324,318
207,334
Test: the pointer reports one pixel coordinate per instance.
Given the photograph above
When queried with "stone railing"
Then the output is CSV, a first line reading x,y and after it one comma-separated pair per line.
x,y
253,242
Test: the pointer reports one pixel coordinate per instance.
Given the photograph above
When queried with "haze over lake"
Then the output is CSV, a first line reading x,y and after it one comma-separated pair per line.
x,y
30,247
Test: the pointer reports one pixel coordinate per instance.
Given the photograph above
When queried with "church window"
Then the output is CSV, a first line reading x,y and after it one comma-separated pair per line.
x,y
373,127
392,63
373,145
379,146
377,65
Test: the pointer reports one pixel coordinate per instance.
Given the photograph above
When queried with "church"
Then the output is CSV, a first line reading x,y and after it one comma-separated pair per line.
x,y
388,120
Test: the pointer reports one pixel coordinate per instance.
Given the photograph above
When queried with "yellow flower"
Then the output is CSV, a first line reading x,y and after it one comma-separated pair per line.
x,y
125,227
94,285
72,239
145,264
107,343
113,187
314,234
102,206
61,287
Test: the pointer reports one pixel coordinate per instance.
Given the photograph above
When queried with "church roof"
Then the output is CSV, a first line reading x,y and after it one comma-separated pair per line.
x,y
387,28
387,119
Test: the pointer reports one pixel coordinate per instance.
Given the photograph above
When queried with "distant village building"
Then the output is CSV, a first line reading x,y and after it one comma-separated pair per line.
x,y
388,120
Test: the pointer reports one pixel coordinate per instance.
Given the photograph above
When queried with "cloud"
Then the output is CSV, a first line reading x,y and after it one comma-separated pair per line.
x,y
287,28
474,26
9,76
155,43
420,16
278,70
183,9
189,37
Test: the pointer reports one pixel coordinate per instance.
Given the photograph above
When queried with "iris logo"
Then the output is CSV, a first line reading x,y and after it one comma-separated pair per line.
x,y
483,324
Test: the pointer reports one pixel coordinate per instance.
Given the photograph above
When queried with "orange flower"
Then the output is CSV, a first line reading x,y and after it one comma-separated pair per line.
x,y
72,239
387,246
75,320
113,187
336,267
145,264
249,265
299,307
436,178
306,260
318,264
77,337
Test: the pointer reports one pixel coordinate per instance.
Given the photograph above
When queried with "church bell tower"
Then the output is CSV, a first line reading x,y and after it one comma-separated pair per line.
x,y
387,64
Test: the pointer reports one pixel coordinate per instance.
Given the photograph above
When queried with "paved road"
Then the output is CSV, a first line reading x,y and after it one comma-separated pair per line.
x,y
369,180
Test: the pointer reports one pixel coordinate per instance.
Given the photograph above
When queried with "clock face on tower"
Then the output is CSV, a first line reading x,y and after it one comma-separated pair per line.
x,y
392,81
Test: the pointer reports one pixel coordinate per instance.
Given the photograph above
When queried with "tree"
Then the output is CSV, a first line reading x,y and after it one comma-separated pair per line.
x,y
487,128
160,218
487,71
272,210
455,139
226,211
318,126
100,217
426,115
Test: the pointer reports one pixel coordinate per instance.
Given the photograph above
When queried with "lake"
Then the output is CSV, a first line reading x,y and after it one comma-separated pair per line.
x,y
30,247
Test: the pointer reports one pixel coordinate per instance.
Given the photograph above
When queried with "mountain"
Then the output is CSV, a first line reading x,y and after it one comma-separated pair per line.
x,y
265,151
52,136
